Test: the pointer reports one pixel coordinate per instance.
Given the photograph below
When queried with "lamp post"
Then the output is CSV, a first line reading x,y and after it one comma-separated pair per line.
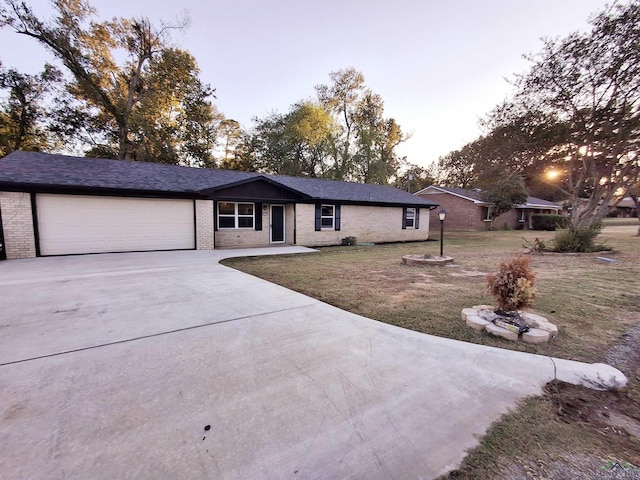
x,y
441,216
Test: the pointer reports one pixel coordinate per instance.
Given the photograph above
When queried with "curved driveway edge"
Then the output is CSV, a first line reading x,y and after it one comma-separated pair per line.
x,y
112,366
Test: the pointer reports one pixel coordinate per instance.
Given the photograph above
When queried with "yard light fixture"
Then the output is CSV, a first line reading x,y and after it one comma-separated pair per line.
x,y
441,215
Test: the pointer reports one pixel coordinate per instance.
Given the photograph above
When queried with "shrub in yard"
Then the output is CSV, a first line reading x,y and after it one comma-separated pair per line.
x,y
512,286
578,239
349,241
543,221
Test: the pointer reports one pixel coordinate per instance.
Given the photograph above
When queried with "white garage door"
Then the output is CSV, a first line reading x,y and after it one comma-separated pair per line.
x,y
69,224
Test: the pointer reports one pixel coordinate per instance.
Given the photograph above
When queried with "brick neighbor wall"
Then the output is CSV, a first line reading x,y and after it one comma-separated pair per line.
x,y
367,224
465,215
17,223
204,225
461,214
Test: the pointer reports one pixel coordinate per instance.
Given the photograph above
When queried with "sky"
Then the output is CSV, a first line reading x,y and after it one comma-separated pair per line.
x,y
439,65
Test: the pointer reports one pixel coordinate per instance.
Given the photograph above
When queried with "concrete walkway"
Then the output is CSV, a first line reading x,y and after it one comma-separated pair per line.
x,y
168,365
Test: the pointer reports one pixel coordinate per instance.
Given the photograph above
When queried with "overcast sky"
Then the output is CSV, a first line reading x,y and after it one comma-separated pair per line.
x,y
439,65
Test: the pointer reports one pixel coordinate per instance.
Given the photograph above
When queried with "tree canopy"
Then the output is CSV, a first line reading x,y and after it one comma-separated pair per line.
x,y
24,112
151,106
576,111
342,135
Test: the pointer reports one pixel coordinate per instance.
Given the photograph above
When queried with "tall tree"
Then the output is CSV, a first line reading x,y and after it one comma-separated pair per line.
x,y
341,98
297,143
589,84
364,149
22,115
121,103
230,133
414,177
460,168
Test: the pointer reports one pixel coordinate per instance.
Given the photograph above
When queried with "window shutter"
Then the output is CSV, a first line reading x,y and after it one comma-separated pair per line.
x,y
337,217
318,219
417,219
404,218
215,216
258,216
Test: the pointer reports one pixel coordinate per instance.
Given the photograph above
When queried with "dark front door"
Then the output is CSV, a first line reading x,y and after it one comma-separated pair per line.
x,y
277,223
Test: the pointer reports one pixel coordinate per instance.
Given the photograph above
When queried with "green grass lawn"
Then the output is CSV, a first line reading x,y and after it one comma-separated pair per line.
x,y
593,302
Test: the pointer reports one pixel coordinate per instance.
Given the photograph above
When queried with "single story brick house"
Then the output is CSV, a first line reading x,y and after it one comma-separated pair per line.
x,y
467,211
61,205
625,208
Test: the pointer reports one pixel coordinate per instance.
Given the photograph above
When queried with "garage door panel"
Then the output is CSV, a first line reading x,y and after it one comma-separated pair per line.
x,y
72,224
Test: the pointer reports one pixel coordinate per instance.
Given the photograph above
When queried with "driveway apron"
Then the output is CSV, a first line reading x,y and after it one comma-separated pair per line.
x,y
168,365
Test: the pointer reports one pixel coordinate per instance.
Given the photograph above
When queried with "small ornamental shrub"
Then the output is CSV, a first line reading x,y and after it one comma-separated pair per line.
x,y
540,221
512,286
578,240
349,241
538,246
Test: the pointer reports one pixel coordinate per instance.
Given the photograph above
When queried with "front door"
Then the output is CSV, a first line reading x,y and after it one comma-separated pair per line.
x,y
277,223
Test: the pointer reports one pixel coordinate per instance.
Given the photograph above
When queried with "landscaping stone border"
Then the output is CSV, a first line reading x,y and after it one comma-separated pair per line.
x,y
480,318
421,260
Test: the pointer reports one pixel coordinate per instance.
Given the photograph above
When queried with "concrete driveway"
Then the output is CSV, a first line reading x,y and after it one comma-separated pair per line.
x,y
167,365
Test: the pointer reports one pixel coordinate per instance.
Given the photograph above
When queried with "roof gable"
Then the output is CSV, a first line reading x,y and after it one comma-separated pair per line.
x,y
255,188
473,195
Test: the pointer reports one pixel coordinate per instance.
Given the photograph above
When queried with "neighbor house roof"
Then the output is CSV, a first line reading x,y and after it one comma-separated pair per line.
x,y
475,196
42,171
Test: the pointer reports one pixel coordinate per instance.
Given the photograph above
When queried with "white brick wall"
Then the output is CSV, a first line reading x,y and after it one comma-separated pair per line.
x,y
17,223
366,223
204,225
231,237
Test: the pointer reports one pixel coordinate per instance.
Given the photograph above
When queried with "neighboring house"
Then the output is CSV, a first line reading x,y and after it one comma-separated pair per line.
x,y
625,208
467,211
60,205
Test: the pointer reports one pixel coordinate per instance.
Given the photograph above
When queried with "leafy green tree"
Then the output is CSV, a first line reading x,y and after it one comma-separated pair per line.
x,y
297,143
230,133
414,177
364,149
23,113
151,106
460,168
341,99
375,160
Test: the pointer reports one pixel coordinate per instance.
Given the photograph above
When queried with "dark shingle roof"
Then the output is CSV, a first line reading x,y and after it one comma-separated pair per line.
x,y
42,170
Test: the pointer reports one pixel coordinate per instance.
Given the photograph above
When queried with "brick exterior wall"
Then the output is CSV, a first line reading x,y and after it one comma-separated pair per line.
x,y
230,238
463,214
17,223
204,225
367,224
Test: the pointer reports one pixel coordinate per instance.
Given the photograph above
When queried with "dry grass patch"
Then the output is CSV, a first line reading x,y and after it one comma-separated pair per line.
x,y
593,302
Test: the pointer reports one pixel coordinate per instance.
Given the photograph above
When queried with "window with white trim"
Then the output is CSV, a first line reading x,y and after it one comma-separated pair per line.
x,y
235,215
327,216
410,217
